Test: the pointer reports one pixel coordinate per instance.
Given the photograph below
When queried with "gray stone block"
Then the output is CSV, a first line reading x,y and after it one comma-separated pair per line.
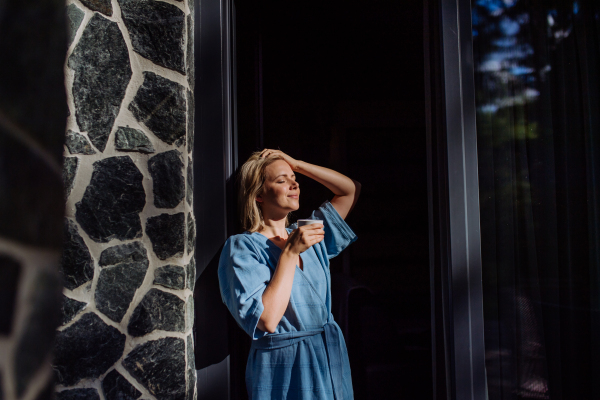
x,y
126,253
191,233
77,266
102,6
78,144
70,308
191,274
160,104
158,310
167,234
190,182
116,387
170,276
159,365
69,171
123,270
156,31
102,71
112,201
168,183
191,369
74,18
86,349
129,139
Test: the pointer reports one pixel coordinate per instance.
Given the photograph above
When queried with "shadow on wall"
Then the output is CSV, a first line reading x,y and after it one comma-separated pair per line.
x,y
32,126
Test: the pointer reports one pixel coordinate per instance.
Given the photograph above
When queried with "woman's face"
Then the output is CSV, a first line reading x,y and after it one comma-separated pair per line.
x,y
281,192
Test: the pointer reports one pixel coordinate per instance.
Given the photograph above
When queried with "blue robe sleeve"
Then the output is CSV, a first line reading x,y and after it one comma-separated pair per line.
x,y
242,280
338,235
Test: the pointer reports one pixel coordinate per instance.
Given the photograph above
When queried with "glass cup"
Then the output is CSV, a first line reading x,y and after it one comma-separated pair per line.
x,y
302,222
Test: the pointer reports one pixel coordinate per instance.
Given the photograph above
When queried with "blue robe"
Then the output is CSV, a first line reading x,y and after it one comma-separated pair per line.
x,y
306,357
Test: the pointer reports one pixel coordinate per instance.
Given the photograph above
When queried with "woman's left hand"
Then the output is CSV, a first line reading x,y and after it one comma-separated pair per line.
x,y
266,153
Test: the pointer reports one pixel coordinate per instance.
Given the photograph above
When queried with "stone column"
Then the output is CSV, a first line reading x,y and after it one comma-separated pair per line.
x,y
128,263
32,124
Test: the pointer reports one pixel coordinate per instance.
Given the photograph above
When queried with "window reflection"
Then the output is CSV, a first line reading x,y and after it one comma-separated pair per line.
x,y
537,87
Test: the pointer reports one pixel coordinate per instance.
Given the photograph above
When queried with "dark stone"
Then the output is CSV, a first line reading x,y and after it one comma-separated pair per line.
x,y
126,253
167,234
191,76
190,182
74,18
167,179
191,274
78,144
123,271
116,387
102,71
77,266
191,369
78,394
112,201
10,270
86,349
160,104
36,340
68,173
70,308
156,31
190,121
103,6
158,310
159,365
170,276
190,65
189,313
129,139
191,233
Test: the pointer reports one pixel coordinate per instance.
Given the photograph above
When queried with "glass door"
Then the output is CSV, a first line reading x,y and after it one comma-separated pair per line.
x,y
537,77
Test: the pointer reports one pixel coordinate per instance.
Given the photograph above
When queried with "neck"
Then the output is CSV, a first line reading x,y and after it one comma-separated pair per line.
x,y
274,228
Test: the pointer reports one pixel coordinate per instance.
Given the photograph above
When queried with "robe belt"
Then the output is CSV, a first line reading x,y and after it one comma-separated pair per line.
x,y
332,346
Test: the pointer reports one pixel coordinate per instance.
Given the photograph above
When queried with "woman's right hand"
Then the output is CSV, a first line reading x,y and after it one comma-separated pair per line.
x,y
305,236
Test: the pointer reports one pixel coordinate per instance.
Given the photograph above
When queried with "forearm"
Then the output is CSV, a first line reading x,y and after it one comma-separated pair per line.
x,y
345,189
277,294
338,183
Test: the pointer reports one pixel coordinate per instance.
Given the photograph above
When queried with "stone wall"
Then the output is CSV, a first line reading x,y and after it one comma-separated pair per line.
x,y
128,261
32,124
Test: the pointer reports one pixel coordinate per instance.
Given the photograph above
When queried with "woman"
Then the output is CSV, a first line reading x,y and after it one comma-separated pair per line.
x,y
275,281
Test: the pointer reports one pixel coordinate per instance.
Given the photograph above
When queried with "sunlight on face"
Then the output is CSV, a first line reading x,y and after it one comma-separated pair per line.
x,y
280,192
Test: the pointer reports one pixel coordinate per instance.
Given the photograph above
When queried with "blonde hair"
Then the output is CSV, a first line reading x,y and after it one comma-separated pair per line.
x,y
251,180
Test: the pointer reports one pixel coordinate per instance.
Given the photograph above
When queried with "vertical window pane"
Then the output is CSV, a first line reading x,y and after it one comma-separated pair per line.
x,y
537,74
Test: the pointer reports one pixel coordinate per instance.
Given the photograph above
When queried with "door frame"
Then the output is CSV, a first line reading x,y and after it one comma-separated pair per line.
x,y
458,348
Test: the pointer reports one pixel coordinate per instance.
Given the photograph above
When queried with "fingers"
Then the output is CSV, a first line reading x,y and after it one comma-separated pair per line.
x,y
312,234
268,152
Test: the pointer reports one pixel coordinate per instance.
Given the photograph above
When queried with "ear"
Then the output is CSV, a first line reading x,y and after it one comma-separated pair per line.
x,y
259,198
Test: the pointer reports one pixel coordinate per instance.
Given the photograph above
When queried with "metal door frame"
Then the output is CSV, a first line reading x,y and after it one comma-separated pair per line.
x,y
455,241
